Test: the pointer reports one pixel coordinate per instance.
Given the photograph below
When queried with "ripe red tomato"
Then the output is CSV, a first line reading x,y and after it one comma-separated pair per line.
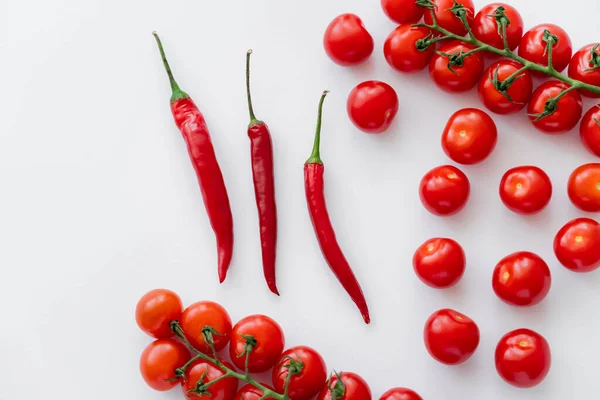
x,y
439,262
470,136
577,245
402,11
347,41
446,18
521,279
206,372
589,130
463,75
584,67
533,47
400,394
155,311
567,111
159,361
306,384
353,387
202,314
584,187
451,337
401,52
511,100
250,392
486,27
444,190
525,190
523,358
372,106
269,343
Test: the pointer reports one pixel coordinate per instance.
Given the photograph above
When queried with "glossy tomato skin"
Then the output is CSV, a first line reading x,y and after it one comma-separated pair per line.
x,y
533,47
451,337
577,245
439,262
589,130
347,41
464,77
159,361
225,389
155,311
485,27
584,187
402,11
568,110
269,343
470,136
526,190
250,392
446,19
581,69
206,313
519,91
523,358
444,190
401,52
521,279
356,388
309,381
372,106
400,394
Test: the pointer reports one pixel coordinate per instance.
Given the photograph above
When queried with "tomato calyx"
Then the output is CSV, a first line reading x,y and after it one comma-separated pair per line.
x,y
294,366
503,22
551,105
502,86
426,4
339,388
460,11
457,59
594,58
201,388
424,43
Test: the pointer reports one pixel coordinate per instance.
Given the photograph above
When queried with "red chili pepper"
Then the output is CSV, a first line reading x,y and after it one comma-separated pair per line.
x,y
261,150
192,125
314,188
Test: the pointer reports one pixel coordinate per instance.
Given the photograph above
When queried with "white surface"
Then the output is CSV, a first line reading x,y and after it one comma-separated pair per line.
x,y
100,203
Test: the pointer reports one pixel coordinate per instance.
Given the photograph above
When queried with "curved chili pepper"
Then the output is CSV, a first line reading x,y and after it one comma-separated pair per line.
x,y
261,150
192,125
314,188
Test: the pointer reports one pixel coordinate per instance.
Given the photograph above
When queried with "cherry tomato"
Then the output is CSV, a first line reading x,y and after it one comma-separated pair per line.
x,y
269,343
202,314
533,47
372,106
446,18
510,100
451,337
463,75
306,384
523,358
206,372
589,130
584,187
439,262
444,190
400,394
402,11
486,28
347,41
567,112
159,361
584,67
525,190
401,51
577,245
155,311
470,136
353,387
250,392
521,279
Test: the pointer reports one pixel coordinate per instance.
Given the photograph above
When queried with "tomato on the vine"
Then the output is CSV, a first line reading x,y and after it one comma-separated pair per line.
x,y
584,187
525,190
444,190
555,116
262,336
204,372
589,130
402,11
533,47
400,394
372,106
250,392
452,71
202,314
486,25
447,19
401,52
585,67
470,136
159,361
351,387
347,41
523,358
451,337
499,92
439,262
308,369
521,279
577,245
155,311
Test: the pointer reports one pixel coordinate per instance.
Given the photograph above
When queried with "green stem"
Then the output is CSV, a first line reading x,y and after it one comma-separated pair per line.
x,y
315,156
253,119
177,94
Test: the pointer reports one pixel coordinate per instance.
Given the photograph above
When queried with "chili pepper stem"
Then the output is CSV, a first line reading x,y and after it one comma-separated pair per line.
x,y
315,156
253,120
178,94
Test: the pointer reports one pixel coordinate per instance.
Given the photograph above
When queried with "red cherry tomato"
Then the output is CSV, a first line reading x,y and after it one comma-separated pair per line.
x,y
402,11
444,190
250,392
584,67
577,245
451,337
525,190
439,262
347,41
512,99
446,18
470,136
202,314
521,279
269,340
207,372
584,187
486,28
372,106
523,358
567,112
306,384
400,394
533,47
155,311
353,387
159,361
589,130
463,75
401,52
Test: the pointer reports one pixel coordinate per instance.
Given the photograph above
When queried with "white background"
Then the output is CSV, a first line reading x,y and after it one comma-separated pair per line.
x,y
100,204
